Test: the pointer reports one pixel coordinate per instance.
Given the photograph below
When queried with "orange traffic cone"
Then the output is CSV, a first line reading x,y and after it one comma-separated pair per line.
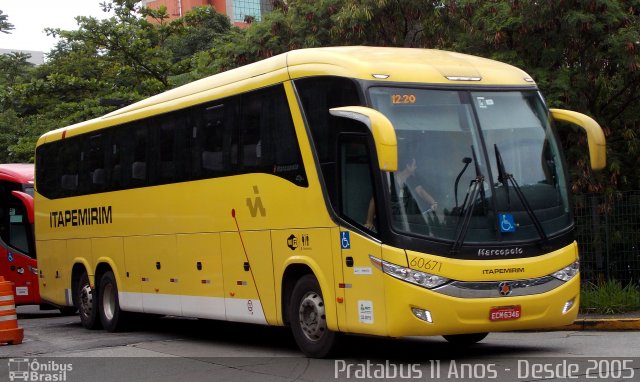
x,y
10,333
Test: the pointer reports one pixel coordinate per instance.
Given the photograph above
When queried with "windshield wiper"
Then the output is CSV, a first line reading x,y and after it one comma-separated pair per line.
x,y
466,161
504,177
468,205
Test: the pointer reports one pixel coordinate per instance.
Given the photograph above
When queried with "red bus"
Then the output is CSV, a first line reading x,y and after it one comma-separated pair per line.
x,y
17,246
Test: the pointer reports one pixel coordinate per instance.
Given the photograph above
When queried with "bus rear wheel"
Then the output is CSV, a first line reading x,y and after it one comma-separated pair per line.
x,y
113,319
87,301
307,318
465,339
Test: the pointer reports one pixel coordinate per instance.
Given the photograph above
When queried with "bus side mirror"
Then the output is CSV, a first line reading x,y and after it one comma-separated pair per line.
x,y
384,135
595,135
27,201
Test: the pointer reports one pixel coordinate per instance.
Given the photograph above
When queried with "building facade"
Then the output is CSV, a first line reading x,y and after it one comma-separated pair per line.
x,y
237,10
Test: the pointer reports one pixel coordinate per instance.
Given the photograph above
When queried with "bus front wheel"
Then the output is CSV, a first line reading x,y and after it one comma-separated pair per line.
x,y
113,319
307,318
465,339
87,300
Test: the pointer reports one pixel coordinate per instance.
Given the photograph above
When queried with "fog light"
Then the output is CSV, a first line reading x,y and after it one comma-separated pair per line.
x,y
422,314
568,305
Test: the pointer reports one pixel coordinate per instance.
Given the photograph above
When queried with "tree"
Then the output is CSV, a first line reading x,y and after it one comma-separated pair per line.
x,y
584,55
127,39
14,68
119,60
202,28
5,25
293,24
386,22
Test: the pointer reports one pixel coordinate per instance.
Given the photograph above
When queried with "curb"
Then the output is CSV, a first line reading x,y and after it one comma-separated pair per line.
x,y
604,324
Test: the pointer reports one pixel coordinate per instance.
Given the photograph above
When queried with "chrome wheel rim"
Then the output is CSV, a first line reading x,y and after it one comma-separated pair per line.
x,y
108,301
86,301
312,316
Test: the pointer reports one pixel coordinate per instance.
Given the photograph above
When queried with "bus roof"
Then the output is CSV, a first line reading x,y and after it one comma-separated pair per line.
x,y
397,65
17,172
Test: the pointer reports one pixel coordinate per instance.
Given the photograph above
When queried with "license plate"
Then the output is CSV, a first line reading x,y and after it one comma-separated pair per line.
x,y
505,313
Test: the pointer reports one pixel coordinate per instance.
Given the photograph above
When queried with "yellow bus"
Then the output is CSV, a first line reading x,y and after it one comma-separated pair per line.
x,y
379,191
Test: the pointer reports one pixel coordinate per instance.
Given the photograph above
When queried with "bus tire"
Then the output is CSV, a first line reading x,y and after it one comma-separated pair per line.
x,y
87,300
465,339
308,320
112,317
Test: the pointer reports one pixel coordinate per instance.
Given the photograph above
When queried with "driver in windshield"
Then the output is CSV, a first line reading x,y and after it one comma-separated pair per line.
x,y
404,191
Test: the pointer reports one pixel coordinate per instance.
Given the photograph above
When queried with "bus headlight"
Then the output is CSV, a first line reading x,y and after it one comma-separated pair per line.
x,y
425,280
567,273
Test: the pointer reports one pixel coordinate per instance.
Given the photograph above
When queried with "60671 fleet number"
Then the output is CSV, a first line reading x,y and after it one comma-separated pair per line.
x,y
427,265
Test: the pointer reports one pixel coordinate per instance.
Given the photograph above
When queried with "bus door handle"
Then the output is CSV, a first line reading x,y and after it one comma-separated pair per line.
x,y
158,266
349,261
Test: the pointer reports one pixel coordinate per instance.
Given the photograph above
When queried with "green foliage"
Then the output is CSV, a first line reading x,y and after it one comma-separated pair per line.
x,y
609,298
5,25
128,40
584,55
201,28
124,57
11,127
413,23
291,25
14,70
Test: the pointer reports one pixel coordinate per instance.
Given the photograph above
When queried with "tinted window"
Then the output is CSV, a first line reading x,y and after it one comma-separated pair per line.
x,y
248,133
318,95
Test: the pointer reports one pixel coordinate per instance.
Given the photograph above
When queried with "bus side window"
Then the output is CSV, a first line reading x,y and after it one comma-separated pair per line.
x,y
93,174
318,95
139,167
170,148
250,132
267,136
14,226
356,180
68,162
209,133
48,171
116,166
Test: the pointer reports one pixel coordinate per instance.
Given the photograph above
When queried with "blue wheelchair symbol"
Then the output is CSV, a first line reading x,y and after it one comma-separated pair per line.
x,y
10,257
507,223
345,240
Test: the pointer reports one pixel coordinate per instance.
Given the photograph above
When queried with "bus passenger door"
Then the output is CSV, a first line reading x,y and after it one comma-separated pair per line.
x,y
17,249
363,284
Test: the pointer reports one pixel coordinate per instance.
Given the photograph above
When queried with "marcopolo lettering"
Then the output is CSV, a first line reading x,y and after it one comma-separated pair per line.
x,y
500,252
81,217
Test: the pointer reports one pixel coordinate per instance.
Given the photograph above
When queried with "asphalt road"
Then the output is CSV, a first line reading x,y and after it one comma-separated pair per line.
x,y
171,349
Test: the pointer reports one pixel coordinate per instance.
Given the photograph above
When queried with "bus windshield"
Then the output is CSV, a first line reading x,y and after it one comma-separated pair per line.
x,y
473,166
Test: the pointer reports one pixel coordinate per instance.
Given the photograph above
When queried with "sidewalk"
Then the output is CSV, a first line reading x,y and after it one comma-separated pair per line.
x,y
621,321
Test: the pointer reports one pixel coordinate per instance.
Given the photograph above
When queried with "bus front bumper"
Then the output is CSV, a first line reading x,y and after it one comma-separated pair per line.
x,y
416,311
